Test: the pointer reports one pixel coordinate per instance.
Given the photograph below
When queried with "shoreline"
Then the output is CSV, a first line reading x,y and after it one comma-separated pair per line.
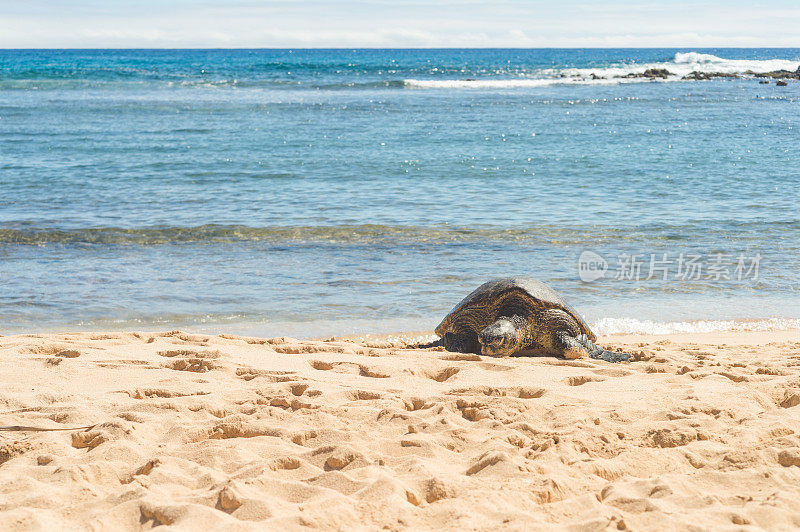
x,y
361,328
247,433
728,337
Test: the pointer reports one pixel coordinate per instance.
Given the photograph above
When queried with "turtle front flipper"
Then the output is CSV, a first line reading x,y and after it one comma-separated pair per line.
x,y
461,342
561,334
580,346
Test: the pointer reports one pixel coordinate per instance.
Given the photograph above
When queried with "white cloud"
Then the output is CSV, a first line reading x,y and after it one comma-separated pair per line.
x,y
245,23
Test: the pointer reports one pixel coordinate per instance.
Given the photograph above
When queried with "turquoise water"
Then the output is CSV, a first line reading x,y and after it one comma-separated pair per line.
x,y
314,192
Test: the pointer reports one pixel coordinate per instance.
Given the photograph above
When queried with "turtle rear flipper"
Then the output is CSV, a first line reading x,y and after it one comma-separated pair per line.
x,y
611,356
597,352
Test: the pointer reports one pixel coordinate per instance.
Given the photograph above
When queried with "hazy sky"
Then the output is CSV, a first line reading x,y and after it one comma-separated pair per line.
x,y
403,23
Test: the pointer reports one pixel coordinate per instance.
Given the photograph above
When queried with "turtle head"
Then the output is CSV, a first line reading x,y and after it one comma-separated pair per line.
x,y
499,338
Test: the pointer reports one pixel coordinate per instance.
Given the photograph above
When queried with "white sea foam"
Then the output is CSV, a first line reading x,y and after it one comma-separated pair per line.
x,y
607,326
686,63
694,57
503,83
368,328
682,64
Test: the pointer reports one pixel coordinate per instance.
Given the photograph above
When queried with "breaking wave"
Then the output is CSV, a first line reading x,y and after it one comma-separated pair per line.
x,y
695,57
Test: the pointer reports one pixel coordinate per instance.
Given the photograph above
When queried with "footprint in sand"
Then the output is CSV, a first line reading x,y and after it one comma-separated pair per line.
x,y
363,395
149,393
473,410
461,357
306,349
115,363
733,376
790,399
196,365
490,366
286,463
190,353
522,392
441,375
236,427
337,457
320,365
191,339
375,373
609,372
581,379
349,367
771,371
293,404
63,351
298,389
567,362
247,374
68,353
492,459
525,392
417,403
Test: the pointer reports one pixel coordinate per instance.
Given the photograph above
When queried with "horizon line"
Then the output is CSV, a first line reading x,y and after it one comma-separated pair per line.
x,y
726,47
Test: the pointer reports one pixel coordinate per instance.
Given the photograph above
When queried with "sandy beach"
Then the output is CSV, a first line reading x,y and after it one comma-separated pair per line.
x,y
701,431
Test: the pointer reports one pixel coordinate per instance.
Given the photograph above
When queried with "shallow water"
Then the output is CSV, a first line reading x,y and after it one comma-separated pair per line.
x,y
326,192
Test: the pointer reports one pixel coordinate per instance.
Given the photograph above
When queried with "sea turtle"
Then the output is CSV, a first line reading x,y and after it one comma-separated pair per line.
x,y
519,315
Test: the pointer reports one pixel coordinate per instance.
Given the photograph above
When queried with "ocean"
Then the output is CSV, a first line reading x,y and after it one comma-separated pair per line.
x,y
326,192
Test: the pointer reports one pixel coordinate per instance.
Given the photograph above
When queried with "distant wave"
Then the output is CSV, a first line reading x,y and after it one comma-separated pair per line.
x,y
686,62
22,233
608,326
43,84
229,233
373,78
681,64
490,83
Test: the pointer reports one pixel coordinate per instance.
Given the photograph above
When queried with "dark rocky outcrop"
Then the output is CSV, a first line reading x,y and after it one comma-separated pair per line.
x,y
663,73
702,76
657,73
781,83
650,73
777,74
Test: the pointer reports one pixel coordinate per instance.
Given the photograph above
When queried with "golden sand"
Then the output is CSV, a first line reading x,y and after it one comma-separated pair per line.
x,y
701,431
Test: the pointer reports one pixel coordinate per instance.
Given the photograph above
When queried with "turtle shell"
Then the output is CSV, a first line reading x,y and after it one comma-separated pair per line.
x,y
488,299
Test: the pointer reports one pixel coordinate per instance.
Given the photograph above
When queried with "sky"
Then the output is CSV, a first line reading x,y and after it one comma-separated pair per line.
x,y
396,24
